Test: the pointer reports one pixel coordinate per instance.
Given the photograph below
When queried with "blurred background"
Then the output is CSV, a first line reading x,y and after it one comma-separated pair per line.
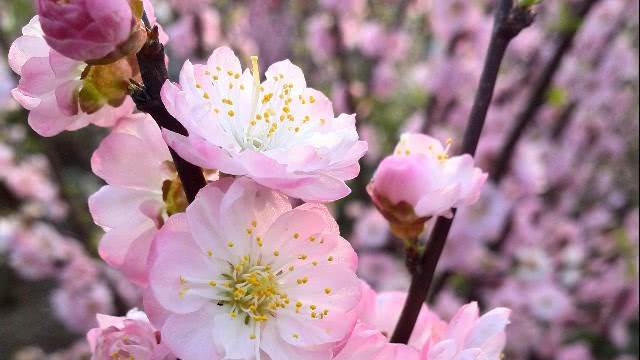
x,y
554,237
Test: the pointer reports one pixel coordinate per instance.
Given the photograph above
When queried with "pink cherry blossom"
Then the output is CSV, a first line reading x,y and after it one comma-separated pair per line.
x,y
90,30
388,306
319,39
129,337
37,252
278,132
189,6
49,86
6,84
345,7
377,318
452,18
182,32
30,179
368,343
242,274
138,198
422,175
469,335
383,271
371,230
8,231
371,39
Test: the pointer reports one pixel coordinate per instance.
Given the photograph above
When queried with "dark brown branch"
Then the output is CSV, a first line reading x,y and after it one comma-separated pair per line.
x,y
343,65
401,14
539,92
198,29
509,21
147,98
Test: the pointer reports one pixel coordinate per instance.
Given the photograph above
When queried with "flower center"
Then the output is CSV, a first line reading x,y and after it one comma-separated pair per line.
x,y
173,195
252,291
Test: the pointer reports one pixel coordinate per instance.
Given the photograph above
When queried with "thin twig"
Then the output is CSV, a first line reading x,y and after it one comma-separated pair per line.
x,y
509,21
343,65
198,29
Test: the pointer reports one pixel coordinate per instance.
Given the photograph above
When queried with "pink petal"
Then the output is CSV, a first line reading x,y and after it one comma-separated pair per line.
x,y
201,153
190,336
178,255
115,206
233,337
67,97
112,161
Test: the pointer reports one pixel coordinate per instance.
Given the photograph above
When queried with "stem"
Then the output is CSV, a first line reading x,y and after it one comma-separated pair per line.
x,y
147,98
198,29
343,66
540,89
401,14
509,21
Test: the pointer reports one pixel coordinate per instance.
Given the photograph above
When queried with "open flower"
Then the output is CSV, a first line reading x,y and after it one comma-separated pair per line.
x,y
138,198
90,30
367,340
130,337
371,344
242,274
58,90
278,132
420,180
470,336
466,336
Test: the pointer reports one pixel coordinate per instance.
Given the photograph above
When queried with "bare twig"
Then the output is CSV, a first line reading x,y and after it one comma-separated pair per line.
x,y
343,65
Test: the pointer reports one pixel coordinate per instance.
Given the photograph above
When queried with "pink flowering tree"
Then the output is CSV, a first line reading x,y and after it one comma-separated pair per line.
x,y
227,180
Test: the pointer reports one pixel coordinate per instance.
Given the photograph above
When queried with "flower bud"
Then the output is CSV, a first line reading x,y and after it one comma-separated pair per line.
x,y
93,31
420,181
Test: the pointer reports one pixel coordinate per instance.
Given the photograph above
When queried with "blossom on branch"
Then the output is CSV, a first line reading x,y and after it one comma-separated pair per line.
x,y
278,132
420,180
66,94
138,196
243,275
466,336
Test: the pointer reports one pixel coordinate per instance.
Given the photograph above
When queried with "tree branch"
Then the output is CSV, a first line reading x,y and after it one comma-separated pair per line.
x,y
540,89
153,70
343,65
509,21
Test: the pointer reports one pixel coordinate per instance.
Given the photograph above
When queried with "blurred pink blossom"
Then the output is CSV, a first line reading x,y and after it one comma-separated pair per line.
x,y
39,251
183,32
77,307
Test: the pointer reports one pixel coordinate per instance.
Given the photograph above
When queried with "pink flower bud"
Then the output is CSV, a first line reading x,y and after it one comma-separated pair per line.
x,y
94,31
420,181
